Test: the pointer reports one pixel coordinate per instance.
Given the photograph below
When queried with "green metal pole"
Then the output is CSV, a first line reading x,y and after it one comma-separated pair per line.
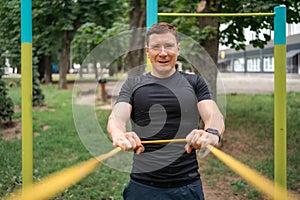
x,y
26,64
280,145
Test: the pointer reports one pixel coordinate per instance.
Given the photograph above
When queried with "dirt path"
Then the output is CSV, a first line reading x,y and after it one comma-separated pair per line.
x,y
254,83
228,83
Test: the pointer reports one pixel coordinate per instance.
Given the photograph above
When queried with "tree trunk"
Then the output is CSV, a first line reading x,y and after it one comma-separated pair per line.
x,y
211,45
41,68
134,59
48,70
63,64
44,69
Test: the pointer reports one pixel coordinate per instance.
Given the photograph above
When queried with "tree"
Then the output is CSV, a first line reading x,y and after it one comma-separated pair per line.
x,y
88,36
135,58
61,19
37,94
54,25
10,42
6,104
208,33
10,46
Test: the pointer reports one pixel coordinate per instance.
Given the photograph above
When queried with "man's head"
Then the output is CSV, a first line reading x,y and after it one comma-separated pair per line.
x,y
160,28
162,49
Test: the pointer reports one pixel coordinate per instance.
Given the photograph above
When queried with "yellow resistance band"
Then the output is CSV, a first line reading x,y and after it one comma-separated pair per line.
x,y
59,181
163,141
50,186
261,183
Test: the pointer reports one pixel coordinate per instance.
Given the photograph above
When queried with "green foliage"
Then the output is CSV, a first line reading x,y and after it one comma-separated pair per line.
x,y
90,34
56,148
233,35
10,45
54,23
37,93
6,104
239,185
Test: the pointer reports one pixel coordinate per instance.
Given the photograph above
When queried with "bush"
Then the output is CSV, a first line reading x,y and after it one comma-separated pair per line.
x,y
6,104
37,94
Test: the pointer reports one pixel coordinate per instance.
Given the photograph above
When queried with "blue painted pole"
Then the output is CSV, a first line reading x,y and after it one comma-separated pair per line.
x,y
151,18
151,13
26,65
280,144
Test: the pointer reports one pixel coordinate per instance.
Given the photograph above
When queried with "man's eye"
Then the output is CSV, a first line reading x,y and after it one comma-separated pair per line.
x,y
169,46
155,47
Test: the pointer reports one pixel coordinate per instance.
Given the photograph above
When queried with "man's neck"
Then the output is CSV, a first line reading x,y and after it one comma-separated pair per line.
x,y
163,75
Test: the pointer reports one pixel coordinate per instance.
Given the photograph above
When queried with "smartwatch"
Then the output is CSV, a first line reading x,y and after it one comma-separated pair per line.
x,y
215,132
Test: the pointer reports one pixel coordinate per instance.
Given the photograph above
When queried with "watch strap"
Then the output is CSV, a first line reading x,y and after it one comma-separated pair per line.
x,y
215,132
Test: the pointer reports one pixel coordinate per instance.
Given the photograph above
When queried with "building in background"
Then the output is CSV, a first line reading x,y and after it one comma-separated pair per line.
x,y
256,60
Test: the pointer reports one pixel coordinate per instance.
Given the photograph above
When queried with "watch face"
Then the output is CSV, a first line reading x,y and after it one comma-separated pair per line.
x,y
213,131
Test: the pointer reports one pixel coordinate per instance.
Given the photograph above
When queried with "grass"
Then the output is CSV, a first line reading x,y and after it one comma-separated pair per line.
x,y
249,138
56,148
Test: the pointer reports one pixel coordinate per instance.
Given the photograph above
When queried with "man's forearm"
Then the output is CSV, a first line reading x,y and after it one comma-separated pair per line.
x,y
211,116
114,128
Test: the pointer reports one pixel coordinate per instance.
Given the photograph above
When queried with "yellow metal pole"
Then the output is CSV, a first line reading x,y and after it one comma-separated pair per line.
x,y
26,65
215,14
27,150
280,144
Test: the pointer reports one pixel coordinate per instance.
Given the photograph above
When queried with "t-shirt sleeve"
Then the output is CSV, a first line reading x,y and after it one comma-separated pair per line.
x,y
202,89
125,94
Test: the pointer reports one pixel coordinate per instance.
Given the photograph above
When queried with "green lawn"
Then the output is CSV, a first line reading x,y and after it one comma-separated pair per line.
x,y
249,138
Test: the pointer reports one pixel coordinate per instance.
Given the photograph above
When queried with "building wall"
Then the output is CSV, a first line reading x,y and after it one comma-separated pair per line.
x,y
255,60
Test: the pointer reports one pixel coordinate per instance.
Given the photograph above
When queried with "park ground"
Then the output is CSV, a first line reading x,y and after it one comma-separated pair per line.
x,y
227,83
230,84
228,187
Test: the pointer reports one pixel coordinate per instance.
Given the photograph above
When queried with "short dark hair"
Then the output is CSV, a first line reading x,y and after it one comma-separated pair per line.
x,y
161,28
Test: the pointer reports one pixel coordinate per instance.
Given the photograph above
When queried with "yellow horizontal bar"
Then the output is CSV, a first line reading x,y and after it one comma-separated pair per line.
x,y
215,14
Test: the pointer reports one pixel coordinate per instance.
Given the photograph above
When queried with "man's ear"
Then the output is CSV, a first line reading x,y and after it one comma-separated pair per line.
x,y
178,48
147,51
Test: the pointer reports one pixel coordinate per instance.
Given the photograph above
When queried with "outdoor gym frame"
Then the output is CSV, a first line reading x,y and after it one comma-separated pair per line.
x,y
280,144
152,15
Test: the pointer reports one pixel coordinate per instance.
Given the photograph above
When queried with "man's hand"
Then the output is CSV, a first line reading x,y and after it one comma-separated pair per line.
x,y
128,141
198,139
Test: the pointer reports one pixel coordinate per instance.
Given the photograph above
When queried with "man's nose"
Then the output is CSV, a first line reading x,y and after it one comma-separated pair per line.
x,y
163,51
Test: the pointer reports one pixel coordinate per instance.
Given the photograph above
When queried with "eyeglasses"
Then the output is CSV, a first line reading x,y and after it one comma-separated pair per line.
x,y
166,47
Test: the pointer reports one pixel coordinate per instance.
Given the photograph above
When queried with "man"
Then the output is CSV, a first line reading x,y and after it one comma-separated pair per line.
x,y
164,104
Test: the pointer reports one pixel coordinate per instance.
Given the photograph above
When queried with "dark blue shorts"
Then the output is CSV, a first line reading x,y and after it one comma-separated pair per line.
x,y
138,191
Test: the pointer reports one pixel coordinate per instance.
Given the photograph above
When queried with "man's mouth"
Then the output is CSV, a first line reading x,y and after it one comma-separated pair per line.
x,y
163,61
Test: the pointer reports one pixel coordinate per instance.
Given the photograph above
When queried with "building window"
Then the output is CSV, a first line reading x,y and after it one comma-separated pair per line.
x,y
239,64
269,64
253,64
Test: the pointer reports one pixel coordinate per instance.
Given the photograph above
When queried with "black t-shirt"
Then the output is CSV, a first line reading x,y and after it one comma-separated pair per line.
x,y
164,109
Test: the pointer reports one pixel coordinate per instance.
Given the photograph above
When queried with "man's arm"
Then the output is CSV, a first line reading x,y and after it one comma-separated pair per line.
x,y
116,129
211,115
213,119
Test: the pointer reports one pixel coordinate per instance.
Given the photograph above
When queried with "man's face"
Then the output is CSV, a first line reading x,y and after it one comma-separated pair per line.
x,y
163,50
